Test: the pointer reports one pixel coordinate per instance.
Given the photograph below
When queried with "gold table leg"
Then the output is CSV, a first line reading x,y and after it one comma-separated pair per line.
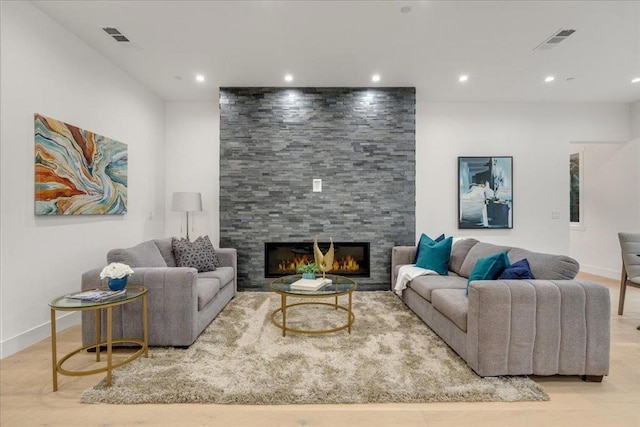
x,y
283,302
98,319
349,312
145,326
109,343
54,356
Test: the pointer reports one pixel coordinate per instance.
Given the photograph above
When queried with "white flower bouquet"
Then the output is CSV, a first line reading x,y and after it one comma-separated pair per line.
x,y
116,270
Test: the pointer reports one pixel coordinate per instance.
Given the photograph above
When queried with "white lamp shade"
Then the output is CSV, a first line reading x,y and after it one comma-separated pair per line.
x,y
186,202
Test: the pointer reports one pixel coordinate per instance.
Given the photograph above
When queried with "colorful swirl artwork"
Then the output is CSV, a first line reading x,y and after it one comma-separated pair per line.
x,y
78,172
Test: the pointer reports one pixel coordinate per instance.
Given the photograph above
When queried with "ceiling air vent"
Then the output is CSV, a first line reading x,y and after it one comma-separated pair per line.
x,y
116,34
554,39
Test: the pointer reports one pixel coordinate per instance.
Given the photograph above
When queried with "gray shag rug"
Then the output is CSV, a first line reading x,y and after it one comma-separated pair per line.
x,y
242,358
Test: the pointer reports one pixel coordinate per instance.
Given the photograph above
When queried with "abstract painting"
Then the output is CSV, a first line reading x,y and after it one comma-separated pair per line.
x,y
485,192
78,172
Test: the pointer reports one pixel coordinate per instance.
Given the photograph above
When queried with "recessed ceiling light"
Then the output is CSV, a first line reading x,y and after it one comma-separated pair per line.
x,y
549,79
463,78
375,78
199,77
405,9
288,78
636,80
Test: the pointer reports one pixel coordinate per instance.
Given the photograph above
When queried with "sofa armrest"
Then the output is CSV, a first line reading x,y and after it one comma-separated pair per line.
x,y
540,327
172,306
228,257
400,255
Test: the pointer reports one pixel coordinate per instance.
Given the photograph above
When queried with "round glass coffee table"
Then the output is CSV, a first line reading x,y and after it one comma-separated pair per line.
x,y
338,287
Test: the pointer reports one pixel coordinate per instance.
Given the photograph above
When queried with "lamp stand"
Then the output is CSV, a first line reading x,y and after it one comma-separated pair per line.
x,y
187,225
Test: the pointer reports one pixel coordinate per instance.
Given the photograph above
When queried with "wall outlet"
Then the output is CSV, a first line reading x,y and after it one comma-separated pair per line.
x,y
150,215
555,215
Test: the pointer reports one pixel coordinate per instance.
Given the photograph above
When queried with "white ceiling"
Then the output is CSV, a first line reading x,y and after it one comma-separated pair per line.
x,y
342,43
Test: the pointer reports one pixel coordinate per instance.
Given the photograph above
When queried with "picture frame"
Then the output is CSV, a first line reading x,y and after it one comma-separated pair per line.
x,y
78,172
485,192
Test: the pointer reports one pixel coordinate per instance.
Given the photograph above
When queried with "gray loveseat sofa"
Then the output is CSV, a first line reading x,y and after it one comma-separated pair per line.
x,y
547,326
181,301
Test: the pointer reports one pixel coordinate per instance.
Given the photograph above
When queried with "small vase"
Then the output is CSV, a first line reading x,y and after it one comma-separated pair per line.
x,y
311,276
117,284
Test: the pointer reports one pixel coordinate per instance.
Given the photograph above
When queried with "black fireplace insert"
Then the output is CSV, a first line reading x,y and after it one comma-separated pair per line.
x,y
284,258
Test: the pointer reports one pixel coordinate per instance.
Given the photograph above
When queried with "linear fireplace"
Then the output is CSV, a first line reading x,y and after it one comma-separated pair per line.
x,y
283,258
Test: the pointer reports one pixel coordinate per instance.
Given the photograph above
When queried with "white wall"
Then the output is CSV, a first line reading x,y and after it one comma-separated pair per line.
x,y
611,203
536,135
47,70
193,153
635,120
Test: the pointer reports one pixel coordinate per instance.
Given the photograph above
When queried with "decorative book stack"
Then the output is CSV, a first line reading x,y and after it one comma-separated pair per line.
x,y
310,284
96,295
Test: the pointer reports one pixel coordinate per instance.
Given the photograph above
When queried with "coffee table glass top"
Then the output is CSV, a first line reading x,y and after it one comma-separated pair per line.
x,y
339,285
61,303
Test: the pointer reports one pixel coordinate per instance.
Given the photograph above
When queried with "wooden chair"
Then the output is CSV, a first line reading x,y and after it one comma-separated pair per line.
x,y
630,247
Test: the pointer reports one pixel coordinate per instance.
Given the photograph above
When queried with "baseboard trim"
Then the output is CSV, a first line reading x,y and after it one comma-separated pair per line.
x,y
35,335
600,271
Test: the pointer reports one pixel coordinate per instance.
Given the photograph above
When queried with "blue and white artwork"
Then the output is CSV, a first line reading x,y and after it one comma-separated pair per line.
x,y
485,192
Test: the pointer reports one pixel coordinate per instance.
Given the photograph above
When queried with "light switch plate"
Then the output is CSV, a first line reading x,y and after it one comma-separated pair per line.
x,y
317,186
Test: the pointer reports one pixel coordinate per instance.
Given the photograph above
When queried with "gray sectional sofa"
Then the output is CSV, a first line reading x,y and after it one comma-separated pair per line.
x,y
547,326
181,301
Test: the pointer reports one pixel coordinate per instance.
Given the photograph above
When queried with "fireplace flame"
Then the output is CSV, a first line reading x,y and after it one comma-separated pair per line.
x,y
340,265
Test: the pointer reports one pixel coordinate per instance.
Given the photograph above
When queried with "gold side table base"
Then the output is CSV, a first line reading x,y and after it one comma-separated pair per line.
x,y
283,325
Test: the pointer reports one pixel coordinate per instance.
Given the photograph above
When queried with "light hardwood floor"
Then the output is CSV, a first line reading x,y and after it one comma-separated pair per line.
x,y
26,398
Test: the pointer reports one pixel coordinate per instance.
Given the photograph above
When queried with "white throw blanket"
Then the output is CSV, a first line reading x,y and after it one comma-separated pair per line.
x,y
407,273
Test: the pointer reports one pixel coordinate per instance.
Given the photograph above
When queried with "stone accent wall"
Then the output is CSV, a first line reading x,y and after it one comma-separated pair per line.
x,y
275,141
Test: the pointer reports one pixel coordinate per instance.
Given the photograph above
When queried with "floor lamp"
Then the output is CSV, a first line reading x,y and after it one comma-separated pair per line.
x,y
186,202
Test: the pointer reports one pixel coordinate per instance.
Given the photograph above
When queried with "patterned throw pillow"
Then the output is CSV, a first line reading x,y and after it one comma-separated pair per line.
x,y
198,254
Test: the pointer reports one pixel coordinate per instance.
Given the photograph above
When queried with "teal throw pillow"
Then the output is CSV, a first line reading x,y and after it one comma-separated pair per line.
x,y
489,268
435,256
425,240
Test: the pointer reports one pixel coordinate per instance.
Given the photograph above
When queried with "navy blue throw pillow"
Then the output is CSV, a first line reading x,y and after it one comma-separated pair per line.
x,y
426,240
517,271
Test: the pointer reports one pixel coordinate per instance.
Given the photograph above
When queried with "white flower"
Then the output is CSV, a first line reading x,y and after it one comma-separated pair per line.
x,y
116,270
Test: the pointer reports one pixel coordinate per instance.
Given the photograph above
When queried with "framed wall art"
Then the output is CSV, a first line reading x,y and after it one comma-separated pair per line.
x,y
485,192
78,172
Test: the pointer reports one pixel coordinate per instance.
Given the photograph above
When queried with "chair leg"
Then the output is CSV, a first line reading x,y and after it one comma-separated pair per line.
x,y
623,290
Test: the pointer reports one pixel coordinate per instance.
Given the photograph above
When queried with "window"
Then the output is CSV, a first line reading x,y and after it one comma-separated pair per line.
x,y
576,190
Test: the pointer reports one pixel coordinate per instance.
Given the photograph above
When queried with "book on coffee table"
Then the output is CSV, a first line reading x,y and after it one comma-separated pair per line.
x,y
309,284
96,295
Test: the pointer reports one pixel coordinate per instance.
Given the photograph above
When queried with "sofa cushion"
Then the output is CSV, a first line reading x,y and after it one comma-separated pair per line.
x,y
198,254
517,271
459,252
489,268
166,249
145,254
479,250
425,240
453,304
547,266
425,285
224,275
207,289
435,256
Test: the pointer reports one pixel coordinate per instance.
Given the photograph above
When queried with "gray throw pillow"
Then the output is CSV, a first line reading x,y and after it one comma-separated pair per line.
x,y
145,254
198,254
